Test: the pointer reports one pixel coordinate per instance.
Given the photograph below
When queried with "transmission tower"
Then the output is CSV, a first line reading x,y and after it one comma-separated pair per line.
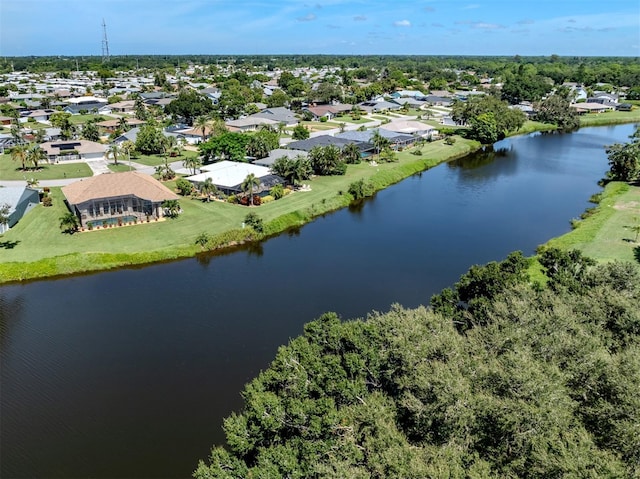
x,y
105,43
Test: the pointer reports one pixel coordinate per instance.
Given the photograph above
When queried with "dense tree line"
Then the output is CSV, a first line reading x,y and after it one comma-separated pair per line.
x,y
489,118
500,377
396,69
624,159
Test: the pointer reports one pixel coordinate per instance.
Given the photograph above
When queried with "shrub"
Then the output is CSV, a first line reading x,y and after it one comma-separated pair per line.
x,y
277,192
450,140
232,199
267,199
254,221
47,201
417,152
184,187
204,240
323,119
89,225
360,189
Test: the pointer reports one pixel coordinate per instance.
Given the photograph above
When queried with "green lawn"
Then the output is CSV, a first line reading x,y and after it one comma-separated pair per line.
x,y
319,126
10,170
168,239
156,160
121,166
610,118
607,235
349,119
81,119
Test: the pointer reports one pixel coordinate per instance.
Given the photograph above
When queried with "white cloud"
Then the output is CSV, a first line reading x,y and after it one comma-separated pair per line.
x,y
359,18
307,18
402,23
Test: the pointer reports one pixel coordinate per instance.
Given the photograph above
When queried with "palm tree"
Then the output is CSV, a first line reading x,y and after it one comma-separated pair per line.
x,y
69,223
16,134
208,188
248,184
351,153
123,124
182,142
379,141
193,163
201,123
169,144
127,147
35,155
113,151
19,153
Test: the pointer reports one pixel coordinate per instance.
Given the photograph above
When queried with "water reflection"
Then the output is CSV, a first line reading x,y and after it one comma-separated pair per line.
x,y
129,373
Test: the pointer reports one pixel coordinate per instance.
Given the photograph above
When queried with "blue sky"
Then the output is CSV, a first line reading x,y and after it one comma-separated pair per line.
x,y
427,27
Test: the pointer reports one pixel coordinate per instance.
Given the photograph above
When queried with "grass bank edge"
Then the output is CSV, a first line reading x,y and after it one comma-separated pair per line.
x,y
83,262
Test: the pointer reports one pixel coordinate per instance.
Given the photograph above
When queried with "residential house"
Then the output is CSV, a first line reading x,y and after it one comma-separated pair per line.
x,y
396,140
80,104
39,115
589,107
411,127
212,93
524,107
279,115
125,106
249,123
322,140
228,177
51,134
117,197
437,100
374,106
407,94
21,200
68,150
132,135
112,125
408,102
328,111
603,97
279,153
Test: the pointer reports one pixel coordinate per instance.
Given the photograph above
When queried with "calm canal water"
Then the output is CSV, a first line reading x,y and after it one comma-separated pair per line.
x,y
130,373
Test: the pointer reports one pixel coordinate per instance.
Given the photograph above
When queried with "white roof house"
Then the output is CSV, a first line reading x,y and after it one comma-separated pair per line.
x,y
229,175
409,127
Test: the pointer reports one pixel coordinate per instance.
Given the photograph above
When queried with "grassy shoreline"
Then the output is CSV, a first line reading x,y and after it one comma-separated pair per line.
x,y
605,232
24,258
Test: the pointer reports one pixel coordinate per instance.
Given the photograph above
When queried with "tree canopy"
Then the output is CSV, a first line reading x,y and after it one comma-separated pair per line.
x,y
227,146
496,121
500,378
624,159
189,105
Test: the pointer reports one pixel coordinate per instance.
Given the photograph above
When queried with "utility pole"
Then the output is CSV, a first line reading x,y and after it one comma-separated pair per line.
x,y
105,43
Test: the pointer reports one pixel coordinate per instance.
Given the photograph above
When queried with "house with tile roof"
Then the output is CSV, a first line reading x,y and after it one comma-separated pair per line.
x,y
117,197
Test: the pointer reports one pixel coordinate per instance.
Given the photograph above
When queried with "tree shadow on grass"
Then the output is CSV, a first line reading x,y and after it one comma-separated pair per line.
x,y
636,253
9,244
